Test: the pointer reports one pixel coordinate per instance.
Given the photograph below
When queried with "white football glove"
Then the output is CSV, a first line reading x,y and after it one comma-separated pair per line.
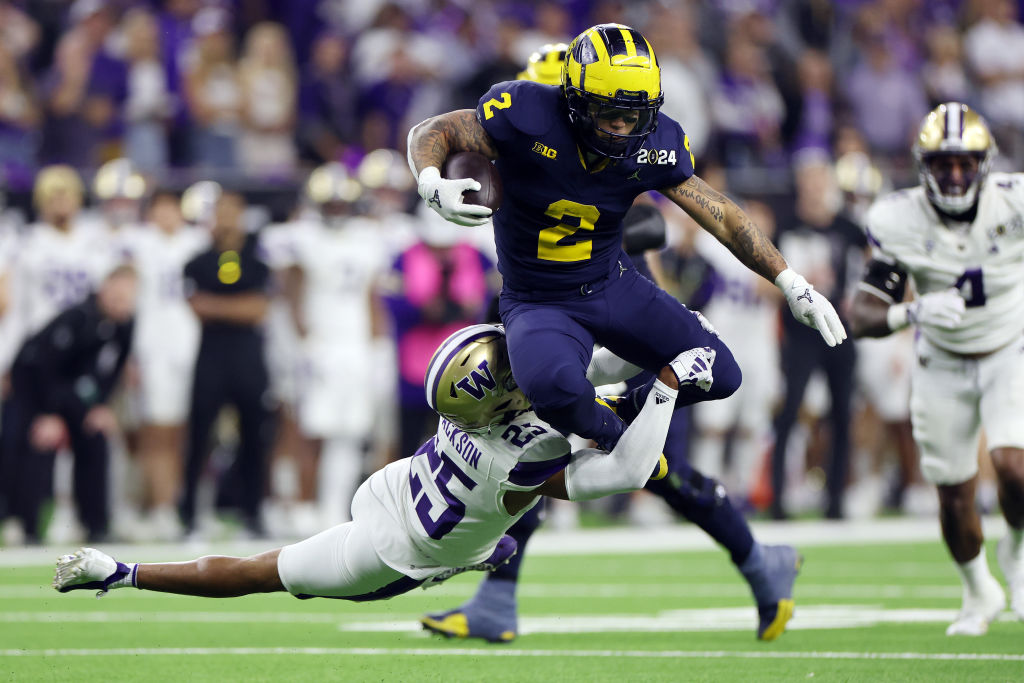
x,y
940,309
810,307
445,197
694,367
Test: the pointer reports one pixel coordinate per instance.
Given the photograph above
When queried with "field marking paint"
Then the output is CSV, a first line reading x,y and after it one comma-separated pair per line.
x,y
808,617
676,537
733,589
481,652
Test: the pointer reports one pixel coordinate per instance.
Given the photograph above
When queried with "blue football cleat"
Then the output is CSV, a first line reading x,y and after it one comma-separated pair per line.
x,y
782,563
463,622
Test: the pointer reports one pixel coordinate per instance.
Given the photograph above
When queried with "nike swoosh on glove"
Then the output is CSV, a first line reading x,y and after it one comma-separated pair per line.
x,y
444,196
810,307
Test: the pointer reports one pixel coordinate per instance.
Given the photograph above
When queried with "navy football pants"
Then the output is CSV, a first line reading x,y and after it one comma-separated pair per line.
x,y
550,343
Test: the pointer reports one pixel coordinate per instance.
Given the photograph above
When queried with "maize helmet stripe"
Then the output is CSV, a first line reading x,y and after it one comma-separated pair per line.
x,y
448,350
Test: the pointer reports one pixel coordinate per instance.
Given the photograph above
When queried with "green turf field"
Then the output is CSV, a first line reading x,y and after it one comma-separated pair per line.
x,y
864,613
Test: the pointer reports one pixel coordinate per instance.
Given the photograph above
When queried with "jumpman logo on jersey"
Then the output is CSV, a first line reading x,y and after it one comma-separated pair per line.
x,y
806,295
436,199
635,176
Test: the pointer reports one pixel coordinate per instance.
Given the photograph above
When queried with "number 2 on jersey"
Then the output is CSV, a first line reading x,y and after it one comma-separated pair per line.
x,y
548,247
490,105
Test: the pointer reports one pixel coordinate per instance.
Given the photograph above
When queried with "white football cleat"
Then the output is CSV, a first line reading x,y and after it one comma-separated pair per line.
x,y
979,610
1013,570
88,569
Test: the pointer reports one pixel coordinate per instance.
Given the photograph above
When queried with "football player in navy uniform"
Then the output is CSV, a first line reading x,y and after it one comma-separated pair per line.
x,y
571,160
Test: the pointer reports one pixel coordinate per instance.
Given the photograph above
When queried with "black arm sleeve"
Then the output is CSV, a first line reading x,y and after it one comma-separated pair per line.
x,y
885,280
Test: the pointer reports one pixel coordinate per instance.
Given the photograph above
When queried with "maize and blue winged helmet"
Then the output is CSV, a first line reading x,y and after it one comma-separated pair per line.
x,y
611,72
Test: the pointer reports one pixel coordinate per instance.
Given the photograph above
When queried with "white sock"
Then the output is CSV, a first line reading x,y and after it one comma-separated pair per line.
x,y
128,580
974,573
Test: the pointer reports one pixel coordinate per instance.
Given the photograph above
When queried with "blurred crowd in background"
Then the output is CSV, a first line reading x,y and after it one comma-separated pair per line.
x,y
167,135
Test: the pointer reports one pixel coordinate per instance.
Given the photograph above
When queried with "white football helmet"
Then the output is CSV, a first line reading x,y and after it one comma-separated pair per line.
x,y
953,130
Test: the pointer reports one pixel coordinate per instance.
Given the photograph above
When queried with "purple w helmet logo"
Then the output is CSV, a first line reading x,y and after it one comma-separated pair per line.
x,y
477,382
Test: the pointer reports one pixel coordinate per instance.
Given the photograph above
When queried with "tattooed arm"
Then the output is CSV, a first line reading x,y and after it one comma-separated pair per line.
x,y
431,141
720,216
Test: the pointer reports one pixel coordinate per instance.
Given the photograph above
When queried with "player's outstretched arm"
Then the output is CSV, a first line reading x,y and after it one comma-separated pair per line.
x,y
872,316
593,473
430,143
721,216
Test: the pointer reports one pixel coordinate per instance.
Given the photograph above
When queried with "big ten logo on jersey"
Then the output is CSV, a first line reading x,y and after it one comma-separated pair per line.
x,y
545,151
520,435
66,287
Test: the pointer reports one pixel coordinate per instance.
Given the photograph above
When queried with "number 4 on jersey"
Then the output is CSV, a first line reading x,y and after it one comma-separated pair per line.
x,y
972,287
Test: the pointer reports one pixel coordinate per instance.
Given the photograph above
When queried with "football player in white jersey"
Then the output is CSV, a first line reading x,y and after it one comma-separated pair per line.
x,y
165,346
745,311
336,259
444,510
59,262
959,238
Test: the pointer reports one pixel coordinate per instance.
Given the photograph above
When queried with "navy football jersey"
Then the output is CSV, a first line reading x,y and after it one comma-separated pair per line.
x,y
559,225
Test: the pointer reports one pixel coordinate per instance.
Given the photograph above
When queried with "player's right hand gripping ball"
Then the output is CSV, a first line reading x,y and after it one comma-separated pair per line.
x,y
445,194
478,167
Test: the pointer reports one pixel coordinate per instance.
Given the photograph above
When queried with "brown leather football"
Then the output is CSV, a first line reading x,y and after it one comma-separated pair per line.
x,y
478,167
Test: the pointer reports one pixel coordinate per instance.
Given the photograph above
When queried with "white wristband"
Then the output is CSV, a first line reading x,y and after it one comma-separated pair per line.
x,y
785,279
898,317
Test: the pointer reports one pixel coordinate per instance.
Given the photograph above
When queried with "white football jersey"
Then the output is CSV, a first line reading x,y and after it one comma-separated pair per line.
x,y
737,309
164,322
443,506
983,259
340,267
55,270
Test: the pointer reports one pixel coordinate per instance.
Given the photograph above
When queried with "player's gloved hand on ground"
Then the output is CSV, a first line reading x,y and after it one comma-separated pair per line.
x,y
941,309
445,197
810,307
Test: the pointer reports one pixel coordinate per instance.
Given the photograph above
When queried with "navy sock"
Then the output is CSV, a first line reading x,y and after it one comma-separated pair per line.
x,y
521,531
702,501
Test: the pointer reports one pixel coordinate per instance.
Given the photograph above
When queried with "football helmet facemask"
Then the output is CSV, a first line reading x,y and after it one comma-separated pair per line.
x,y
611,75
545,65
469,379
954,152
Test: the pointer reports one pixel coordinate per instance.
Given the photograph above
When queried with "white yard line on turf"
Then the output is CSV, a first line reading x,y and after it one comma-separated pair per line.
x,y
807,617
530,589
481,652
580,542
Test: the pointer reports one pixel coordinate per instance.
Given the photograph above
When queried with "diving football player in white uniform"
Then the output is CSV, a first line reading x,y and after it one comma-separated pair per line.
x,y
444,510
959,238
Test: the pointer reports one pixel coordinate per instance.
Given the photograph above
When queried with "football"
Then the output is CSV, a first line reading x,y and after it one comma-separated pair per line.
x,y
478,167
